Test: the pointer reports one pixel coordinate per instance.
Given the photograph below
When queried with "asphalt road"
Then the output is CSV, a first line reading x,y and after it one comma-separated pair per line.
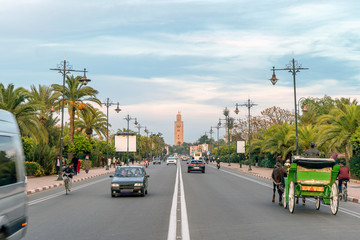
x,y
220,205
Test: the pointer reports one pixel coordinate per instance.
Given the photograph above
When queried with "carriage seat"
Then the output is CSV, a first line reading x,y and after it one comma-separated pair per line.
x,y
314,163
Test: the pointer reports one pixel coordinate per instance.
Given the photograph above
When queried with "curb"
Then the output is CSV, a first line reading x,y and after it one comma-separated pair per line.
x,y
350,199
36,190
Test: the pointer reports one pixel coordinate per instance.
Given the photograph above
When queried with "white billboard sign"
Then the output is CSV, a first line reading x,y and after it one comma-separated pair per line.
x,y
240,147
121,143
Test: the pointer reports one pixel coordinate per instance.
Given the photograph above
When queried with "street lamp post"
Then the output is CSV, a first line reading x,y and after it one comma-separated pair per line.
x,y
249,105
298,106
108,103
65,68
139,127
227,122
147,139
292,67
128,119
218,126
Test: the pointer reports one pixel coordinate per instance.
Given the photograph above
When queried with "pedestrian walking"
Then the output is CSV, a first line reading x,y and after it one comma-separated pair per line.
x,y
57,164
103,161
109,162
75,161
87,163
78,166
114,162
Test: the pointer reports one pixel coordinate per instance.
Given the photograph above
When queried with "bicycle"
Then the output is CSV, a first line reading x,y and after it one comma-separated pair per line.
x,y
67,183
344,191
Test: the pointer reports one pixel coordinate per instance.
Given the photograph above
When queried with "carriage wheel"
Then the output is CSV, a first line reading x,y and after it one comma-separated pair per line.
x,y
291,197
317,203
334,198
284,200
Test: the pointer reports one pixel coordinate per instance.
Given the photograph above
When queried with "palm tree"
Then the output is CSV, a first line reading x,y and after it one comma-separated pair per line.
x,y
14,101
46,97
75,96
307,134
278,140
338,127
92,119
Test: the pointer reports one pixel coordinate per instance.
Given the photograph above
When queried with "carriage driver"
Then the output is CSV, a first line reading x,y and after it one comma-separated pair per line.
x,y
312,151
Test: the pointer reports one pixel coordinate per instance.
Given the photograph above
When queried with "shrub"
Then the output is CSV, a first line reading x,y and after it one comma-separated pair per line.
x,y
45,156
355,166
266,163
34,169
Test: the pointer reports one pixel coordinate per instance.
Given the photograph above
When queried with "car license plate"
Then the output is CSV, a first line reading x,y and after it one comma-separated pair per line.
x,y
126,190
196,167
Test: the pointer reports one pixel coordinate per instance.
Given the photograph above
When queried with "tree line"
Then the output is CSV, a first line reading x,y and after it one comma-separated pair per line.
x,y
332,124
37,113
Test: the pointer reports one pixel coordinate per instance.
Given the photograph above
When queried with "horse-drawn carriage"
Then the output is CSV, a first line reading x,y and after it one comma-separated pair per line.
x,y
314,178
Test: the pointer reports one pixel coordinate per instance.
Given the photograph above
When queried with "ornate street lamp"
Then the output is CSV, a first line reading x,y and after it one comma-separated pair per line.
x,y
108,103
248,105
292,67
302,99
139,127
218,126
227,119
128,119
65,68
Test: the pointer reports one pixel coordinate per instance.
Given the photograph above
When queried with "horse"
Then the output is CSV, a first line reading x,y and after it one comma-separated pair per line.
x,y
278,175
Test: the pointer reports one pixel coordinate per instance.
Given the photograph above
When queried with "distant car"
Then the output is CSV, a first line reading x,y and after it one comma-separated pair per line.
x,y
156,161
184,158
196,165
129,180
171,160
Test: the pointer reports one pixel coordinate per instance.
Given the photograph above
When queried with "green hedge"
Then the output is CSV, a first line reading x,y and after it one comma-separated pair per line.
x,y
34,169
355,166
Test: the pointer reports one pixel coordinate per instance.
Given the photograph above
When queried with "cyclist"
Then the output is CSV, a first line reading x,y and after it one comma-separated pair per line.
x,y
69,172
343,176
218,163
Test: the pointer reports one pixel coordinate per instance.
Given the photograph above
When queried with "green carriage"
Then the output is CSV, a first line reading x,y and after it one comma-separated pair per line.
x,y
312,178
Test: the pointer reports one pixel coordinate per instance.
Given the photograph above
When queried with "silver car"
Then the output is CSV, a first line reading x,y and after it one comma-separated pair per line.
x,y
13,212
171,160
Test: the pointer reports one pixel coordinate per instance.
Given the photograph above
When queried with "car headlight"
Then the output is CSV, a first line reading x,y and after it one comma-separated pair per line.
x,y
138,184
115,185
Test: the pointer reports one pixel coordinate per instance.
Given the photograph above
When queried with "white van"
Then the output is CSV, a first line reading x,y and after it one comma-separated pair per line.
x,y
13,206
197,155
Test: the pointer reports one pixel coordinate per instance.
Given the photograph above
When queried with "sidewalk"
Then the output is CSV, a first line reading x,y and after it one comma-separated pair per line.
x,y
353,185
38,184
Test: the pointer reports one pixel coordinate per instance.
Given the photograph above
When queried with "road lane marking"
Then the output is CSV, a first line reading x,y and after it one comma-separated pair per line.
x,y
172,220
39,200
341,209
184,217
176,207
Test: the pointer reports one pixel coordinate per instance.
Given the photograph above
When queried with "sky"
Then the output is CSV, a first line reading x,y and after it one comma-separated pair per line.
x,y
158,57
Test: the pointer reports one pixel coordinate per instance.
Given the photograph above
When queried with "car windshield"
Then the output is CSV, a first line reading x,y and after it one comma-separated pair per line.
x,y
196,162
129,172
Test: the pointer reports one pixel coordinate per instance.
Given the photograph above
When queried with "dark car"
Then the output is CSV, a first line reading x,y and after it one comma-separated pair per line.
x,y
196,165
129,180
156,161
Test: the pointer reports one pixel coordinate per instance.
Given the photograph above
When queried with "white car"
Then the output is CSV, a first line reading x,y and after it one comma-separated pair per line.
x,y
171,160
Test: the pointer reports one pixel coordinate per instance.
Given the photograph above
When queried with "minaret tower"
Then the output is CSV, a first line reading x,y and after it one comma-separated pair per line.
x,y
178,130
